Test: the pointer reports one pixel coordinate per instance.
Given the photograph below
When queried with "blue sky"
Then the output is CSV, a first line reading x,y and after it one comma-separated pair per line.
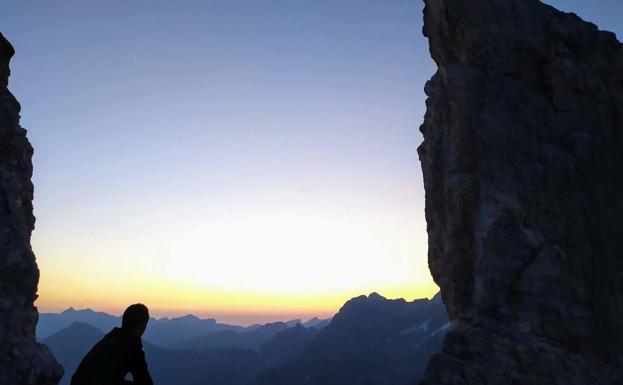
x,y
287,128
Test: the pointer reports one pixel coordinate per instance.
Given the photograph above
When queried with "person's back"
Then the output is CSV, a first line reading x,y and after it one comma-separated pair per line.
x,y
120,352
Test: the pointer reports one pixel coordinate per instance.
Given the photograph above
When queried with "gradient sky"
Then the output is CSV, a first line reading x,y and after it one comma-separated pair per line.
x,y
248,160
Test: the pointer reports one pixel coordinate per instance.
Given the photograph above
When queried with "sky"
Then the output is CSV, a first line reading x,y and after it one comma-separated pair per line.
x,y
245,160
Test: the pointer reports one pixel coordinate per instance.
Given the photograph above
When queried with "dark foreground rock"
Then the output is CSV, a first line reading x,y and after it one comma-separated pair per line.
x,y
22,360
523,171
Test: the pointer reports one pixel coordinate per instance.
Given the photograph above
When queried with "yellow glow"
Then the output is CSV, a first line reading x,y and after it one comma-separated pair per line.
x,y
260,266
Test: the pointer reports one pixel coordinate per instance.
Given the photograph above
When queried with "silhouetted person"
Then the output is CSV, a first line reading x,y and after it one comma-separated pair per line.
x,y
120,352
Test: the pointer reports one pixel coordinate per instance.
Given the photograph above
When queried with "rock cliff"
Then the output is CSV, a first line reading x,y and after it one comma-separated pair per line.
x,y
523,171
22,360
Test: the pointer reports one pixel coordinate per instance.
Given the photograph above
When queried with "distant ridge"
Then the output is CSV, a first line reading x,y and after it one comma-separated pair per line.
x,y
241,338
164,332
50,323
168,367
382,341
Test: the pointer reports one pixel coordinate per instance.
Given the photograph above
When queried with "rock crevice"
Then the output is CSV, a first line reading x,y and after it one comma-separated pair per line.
x,y
522,155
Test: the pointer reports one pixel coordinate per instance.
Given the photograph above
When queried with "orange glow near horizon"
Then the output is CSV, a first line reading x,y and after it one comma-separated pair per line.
x,y
265,169
202,268
171,300
235,308
174,300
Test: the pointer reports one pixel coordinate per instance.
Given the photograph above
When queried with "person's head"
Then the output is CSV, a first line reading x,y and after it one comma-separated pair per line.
x,y
135,318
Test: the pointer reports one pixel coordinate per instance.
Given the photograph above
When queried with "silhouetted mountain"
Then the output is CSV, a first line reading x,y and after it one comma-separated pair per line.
x,y
167,333
214,367
286,344
71,344
162,332
371,340
243,339
168,367
316,323
293,322
290,323
50,323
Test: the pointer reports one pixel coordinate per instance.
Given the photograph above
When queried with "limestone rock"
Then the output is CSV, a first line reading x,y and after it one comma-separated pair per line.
x,y
523,171
22,360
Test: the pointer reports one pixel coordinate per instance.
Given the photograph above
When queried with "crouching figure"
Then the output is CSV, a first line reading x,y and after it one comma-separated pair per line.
x,y
120,352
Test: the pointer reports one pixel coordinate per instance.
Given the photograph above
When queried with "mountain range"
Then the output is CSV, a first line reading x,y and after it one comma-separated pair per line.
x,y
371,340
163,332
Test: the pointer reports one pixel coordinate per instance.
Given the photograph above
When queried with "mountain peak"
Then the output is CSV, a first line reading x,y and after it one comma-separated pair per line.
x,y
72,310
189,317
75,333
376,296
77,325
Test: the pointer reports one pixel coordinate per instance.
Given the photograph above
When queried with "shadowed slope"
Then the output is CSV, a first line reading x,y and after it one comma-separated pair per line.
x,y
371,340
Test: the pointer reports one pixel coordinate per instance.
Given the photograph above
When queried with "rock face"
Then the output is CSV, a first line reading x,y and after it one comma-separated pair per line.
x,y
523,172
22,360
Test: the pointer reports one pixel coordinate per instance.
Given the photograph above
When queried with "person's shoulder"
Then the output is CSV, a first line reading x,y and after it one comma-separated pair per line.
x,y
118,336
112,335
111,338
129,338
114,332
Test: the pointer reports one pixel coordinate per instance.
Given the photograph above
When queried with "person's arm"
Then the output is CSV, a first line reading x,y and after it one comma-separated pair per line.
x,y
139,370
